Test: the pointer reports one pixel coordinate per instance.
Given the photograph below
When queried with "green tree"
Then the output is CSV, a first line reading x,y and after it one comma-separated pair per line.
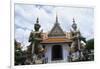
x,y
90,44
19,54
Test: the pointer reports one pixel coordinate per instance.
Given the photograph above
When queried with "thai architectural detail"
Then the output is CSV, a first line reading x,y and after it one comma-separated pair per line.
x,y
36,48
57,45
78,43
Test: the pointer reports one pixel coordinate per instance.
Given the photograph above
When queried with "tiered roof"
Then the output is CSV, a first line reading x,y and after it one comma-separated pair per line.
x,y
56,35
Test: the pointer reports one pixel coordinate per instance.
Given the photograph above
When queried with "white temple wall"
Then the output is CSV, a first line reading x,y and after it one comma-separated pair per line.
x,y
65,52
48,52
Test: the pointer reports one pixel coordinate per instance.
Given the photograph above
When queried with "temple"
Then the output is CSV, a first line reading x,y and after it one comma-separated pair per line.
x,y
55,46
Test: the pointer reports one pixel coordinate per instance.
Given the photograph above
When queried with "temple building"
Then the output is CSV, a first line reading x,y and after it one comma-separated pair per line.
x,y
57,44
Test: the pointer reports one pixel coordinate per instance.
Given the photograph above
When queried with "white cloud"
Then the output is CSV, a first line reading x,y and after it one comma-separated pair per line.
x,y
22,36
25,17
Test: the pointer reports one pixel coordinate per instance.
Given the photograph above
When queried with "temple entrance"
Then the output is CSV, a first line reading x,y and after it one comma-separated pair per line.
x,y
57,52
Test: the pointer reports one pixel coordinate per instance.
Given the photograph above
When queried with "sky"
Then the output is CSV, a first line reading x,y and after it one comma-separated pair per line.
x,y
25,16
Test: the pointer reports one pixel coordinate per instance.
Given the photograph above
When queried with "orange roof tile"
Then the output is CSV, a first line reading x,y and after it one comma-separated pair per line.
x,y
56,40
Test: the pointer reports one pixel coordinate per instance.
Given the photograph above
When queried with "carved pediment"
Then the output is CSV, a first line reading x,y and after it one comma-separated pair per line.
x,y
56,31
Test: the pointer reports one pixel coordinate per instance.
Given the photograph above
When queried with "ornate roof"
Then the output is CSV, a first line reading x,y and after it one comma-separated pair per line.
x,y
57,40
66,39
56,35
56,30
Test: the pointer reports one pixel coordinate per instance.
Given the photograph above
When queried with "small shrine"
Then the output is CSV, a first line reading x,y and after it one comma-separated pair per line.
x,y
55,46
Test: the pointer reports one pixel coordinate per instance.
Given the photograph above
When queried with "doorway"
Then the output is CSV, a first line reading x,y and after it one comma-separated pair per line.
x,y
57,52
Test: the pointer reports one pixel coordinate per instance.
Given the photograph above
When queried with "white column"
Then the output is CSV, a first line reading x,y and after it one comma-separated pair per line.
x,y
65,52
48,53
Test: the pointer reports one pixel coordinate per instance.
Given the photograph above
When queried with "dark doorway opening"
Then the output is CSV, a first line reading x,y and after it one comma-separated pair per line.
x,y
57,52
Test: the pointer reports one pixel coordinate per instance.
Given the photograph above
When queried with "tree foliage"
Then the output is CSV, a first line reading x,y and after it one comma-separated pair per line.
x,y
19,54
90,44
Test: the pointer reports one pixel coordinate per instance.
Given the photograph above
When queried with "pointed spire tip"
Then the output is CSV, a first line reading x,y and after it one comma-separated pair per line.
x,y
56,18
73,20
37,20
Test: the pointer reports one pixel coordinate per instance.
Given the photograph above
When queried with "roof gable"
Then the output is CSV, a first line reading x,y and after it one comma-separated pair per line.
x,y
56,31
